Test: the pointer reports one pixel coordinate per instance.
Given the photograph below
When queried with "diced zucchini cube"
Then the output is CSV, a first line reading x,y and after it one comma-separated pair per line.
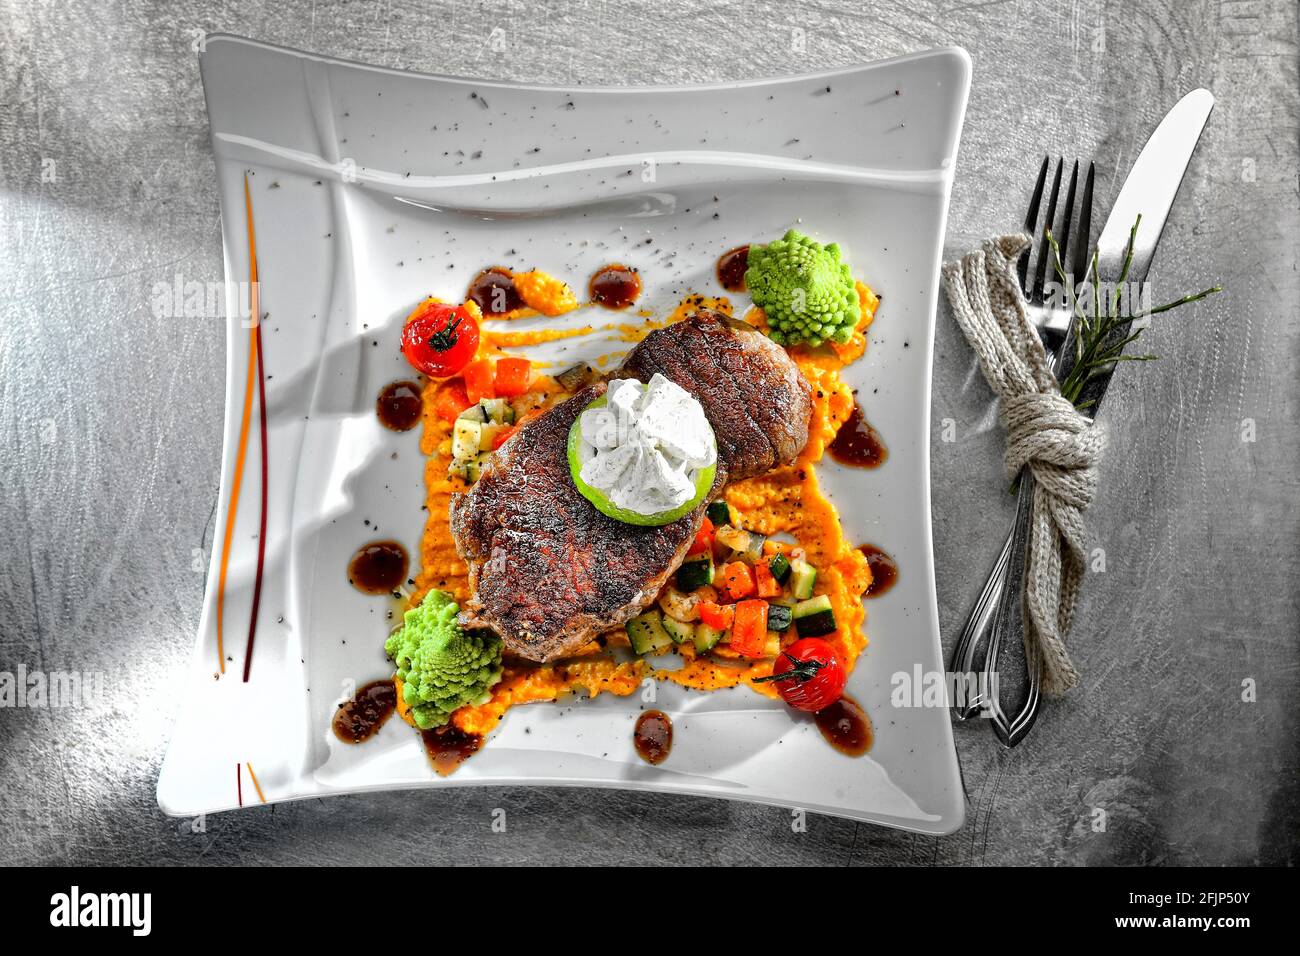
x,y
646,633
736,539
497,411
469,470
679,631
694,573
488,434
706,638
465,438
814,617
719,512
779,617
802,578
779,565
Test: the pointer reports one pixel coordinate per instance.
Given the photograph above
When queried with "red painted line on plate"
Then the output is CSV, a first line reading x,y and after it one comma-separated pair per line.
x,y
261,534
261,400
239,784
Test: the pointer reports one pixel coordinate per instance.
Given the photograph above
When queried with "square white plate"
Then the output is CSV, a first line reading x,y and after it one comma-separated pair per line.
x,y
372,188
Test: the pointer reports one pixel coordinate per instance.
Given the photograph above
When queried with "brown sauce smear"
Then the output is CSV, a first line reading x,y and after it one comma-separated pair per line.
x,y
884,570
378,568
494,291
653,736
361,717
857,443
615,287
846,727
448,747
399,406
731,268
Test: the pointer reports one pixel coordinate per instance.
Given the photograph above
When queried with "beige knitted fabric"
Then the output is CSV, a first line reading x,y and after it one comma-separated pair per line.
x,y
1045,433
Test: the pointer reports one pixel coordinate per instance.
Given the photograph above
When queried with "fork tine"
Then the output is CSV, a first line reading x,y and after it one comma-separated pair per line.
x,y
1040,272
1031,220
1079,268
1063,237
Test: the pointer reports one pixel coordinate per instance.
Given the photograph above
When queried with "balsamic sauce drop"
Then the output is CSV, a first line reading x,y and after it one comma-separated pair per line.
x,y
884,570
731,269
378,567
615,287
846,727
399,406
494,291
361,717
857,443
448,748
653,736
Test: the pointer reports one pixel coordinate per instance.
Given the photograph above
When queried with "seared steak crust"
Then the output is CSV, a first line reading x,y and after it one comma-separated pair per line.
x,y
548,571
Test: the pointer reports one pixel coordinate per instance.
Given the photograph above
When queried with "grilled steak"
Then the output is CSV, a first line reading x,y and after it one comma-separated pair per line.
x,y
548,571
757,401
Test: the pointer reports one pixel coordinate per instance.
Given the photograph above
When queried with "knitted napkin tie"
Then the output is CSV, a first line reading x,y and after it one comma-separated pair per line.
x,y
1045,433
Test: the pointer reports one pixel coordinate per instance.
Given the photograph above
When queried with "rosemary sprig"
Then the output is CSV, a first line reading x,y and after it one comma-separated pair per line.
x,y
1100,338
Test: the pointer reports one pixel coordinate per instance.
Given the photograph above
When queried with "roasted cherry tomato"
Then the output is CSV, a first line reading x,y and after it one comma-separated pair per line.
x,y
440,339
809,675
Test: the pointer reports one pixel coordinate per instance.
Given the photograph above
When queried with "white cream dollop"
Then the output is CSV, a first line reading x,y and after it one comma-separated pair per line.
x,y
645,448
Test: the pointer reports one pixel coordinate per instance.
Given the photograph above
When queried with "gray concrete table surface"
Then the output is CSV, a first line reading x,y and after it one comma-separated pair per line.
x,y
110,428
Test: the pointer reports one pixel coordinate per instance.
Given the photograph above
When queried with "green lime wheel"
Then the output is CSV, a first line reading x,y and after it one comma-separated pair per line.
x,y
703,484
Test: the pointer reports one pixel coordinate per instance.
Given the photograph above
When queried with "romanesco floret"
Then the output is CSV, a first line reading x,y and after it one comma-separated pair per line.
x,y
441,666
808,294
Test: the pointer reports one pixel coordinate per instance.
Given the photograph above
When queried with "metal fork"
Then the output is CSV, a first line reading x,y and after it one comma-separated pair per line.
x,y
1051,315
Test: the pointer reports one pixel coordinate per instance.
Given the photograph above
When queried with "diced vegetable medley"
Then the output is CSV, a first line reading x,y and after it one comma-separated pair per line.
x,y
477,432
738,589
478,407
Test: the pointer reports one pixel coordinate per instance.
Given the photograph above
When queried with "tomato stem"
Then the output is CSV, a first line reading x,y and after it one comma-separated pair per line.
x,y
801,671
445,338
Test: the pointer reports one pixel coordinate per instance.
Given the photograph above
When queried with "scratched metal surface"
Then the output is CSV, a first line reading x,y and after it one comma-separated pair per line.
x,y
111,425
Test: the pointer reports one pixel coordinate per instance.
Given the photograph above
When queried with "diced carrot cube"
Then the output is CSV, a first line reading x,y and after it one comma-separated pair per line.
x,y
479,380
451,400
738,580
703,538
749,630
513,376
765,585
717,616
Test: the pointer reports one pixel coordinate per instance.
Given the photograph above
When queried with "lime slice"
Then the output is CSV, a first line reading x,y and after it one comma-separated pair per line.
x,y
703,484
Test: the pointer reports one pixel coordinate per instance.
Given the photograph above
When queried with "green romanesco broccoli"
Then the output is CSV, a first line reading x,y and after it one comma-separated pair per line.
x,y
441,666
807,292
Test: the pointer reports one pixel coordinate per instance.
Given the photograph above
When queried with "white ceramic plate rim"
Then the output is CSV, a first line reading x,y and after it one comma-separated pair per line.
x,y
175,797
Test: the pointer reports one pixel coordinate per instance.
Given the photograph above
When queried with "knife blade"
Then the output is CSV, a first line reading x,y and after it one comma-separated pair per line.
x,y
1149,191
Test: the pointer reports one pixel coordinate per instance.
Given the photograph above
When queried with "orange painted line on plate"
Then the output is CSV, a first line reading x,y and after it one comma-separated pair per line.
x,y
242,451
257,786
